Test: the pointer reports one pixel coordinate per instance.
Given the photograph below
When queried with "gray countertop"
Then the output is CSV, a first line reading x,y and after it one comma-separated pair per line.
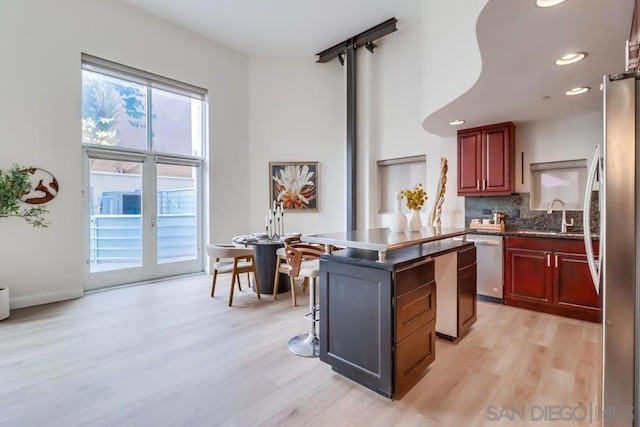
x,y
383,239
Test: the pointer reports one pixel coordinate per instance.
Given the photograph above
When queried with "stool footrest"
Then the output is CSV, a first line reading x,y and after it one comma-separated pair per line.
x,y
312,316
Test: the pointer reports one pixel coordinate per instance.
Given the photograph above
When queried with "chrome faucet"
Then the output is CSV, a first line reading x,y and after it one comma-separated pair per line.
x,y
565,224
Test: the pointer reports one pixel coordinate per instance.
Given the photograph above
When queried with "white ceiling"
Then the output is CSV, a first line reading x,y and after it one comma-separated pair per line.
x,y
276,27
519,43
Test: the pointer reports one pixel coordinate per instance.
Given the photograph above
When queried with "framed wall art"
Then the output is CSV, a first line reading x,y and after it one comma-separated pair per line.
x,y
295,185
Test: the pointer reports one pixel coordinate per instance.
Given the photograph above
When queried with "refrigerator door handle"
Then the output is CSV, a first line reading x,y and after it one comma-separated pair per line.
x,y
586,218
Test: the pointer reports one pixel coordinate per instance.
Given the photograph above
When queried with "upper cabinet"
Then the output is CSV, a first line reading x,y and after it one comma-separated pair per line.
x,y
486,160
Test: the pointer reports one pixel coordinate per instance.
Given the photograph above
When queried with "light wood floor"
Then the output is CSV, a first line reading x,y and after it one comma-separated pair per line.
x,y
168,354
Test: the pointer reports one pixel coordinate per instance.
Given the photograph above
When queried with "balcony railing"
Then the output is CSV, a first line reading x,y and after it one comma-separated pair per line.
x,y
118,238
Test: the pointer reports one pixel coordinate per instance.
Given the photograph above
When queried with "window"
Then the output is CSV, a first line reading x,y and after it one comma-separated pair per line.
x,y
143,142
564,180
127,108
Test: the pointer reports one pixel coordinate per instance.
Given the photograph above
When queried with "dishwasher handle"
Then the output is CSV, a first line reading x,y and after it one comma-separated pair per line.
x,y
481,241
485,242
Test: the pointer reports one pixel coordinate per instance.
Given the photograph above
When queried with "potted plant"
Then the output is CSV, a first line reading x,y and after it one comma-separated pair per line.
x,y
15,183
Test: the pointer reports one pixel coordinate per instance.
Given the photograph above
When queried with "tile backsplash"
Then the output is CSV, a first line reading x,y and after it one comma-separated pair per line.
x,y
520,217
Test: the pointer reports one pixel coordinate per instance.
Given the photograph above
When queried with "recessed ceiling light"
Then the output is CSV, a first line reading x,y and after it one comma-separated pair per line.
x,y
571,58
577,90
548,3
456,122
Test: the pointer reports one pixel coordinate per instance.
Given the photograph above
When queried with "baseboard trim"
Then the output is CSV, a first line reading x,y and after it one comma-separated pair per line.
x,y
43,298
146,282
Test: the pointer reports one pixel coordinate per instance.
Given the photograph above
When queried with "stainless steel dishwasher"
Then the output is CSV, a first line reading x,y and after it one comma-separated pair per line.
x,y
489,257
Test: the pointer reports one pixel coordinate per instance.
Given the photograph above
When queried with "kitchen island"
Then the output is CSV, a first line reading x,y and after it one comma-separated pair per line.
x,y
385,295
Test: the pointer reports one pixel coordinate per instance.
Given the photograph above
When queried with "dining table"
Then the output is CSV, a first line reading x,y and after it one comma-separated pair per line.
x,y
265,255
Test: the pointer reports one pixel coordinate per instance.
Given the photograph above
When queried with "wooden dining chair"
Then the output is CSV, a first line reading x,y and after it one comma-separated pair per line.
x,y
228,258
282,267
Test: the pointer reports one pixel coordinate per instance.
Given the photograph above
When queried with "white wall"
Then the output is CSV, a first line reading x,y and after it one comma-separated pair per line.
x,y
415,72
297,112
390,103
40,111
571,138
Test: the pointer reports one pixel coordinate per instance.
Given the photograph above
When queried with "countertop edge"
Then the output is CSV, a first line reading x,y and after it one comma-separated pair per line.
x,y
395,258
536,234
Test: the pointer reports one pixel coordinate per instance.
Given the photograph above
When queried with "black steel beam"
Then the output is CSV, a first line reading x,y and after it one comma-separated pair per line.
x,y
359,40
348,49
351,138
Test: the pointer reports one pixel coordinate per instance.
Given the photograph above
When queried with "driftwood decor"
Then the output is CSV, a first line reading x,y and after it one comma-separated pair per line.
x,y
436,212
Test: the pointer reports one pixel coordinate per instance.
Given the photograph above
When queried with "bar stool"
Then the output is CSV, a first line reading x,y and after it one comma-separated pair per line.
x,y
304,261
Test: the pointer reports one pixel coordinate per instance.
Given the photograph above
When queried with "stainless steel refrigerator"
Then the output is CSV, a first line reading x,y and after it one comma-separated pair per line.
x,y
615,272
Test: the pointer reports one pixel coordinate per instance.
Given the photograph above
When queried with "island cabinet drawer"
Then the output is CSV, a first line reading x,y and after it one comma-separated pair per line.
x,y
413,355
412,276
415,309
466,257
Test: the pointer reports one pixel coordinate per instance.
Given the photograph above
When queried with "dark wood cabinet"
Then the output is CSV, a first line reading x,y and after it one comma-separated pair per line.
x,y
377,326
378,319
550,275
467,287
415,320
486,160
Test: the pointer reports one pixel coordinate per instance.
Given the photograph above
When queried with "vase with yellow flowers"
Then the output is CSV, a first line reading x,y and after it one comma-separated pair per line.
x,y
415,201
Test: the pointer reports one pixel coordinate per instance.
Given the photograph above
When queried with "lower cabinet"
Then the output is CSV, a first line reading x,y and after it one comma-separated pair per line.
x,y
415,320
378,319
550,275
467,288
456,276
413,354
